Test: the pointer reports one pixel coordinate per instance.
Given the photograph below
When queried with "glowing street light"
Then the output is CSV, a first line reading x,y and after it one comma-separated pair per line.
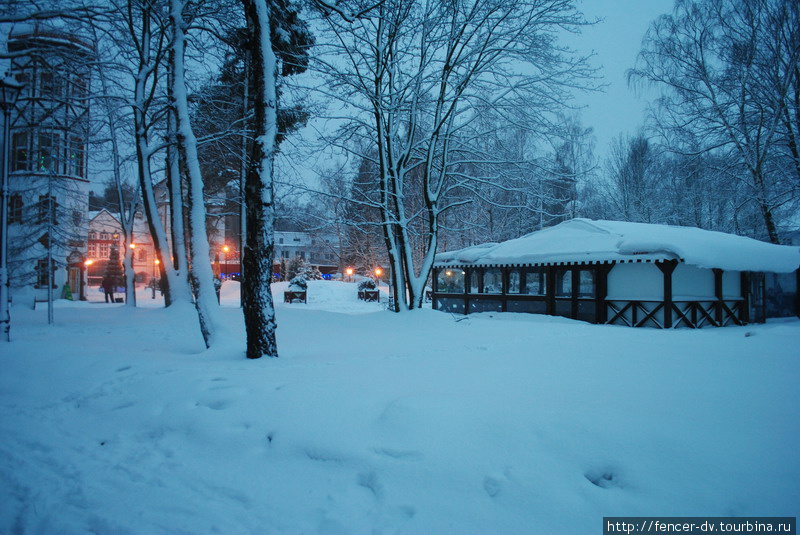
x,y
349,272
225,249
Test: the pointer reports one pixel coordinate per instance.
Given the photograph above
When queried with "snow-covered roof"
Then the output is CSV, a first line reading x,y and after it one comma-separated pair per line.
x,y
588,241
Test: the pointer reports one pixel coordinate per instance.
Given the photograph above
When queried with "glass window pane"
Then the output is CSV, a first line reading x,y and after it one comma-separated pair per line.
x,y
587,284
493,281
564,283
450,280
474,277
20,152
535,282
513,281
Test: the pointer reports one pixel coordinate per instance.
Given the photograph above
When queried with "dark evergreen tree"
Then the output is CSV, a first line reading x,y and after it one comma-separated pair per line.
x,y
114,267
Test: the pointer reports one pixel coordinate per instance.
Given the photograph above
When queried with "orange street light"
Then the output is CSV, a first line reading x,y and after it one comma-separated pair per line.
x,y
226,248
133,246
89,262
378,272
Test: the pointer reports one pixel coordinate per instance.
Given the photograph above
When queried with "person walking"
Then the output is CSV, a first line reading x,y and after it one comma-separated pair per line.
x,y
108,288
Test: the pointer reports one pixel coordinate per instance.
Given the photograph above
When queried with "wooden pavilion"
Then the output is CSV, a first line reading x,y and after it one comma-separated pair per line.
x,y
619,273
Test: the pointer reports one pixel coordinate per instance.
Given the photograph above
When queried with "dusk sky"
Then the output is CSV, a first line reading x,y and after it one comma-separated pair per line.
x,y
616,40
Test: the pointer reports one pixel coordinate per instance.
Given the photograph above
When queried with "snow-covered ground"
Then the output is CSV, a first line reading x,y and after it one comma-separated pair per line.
x,y
117,421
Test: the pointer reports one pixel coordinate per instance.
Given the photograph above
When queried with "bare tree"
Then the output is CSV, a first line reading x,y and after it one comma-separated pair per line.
x,y
729,68
417,76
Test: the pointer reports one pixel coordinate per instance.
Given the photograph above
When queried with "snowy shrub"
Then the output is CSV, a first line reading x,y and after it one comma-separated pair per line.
x,y
366,284
298,284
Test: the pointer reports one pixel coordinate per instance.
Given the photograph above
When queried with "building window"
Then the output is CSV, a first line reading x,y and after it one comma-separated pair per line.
x,y
80,87
105,250
20,152
47,159
93,235
47,210
285,254
74,158
15,209
142,255
92,250
77,218
41,273
49,84
280,240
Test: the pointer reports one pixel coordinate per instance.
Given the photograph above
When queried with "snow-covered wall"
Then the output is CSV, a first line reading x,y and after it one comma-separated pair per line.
x,y
636,282
731,284
692,283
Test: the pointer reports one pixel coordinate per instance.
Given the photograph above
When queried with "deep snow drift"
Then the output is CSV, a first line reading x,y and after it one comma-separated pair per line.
x,y
117,421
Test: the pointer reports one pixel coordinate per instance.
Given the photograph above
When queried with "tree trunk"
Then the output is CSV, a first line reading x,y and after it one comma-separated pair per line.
x,y
205,293
259,311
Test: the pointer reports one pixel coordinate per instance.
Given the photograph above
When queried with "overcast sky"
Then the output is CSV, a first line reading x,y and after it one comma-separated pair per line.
x,y
616,41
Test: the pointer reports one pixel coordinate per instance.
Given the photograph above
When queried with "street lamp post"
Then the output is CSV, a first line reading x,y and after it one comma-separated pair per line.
x,y
9,92
225,249
156,261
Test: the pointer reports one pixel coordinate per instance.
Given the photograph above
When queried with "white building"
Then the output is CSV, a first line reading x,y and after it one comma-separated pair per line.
x,y
48,176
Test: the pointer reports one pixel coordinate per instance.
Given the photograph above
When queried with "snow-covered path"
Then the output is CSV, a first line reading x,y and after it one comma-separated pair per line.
x,y
118,421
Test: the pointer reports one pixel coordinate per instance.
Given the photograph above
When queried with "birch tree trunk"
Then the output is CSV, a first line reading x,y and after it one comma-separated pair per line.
x,y
205,293
174,284
259,311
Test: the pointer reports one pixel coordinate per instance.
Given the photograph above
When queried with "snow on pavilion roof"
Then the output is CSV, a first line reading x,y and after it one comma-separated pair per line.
x,y
588,241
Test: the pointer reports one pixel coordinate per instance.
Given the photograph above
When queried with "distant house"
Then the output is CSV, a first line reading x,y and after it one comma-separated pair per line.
x,y
105,230
317,249
612,272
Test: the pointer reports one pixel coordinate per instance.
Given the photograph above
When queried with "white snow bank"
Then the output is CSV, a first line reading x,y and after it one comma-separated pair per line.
x,y
116,420
584,240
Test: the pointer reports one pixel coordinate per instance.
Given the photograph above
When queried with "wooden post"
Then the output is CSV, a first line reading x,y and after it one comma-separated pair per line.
x,y
667,267
797,293
550,290
576,287
435,287
504,291
718,295
745,310
601,289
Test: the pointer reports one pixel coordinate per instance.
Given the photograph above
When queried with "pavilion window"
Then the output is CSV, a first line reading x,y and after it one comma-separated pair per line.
x,y
535,282
587,284
451,280
564,283
474,281
493,281
514,279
